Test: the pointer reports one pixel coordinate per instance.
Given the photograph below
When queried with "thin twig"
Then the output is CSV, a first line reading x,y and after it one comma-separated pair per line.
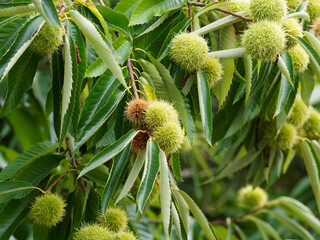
x,y
277,60
169,158
185,81
57,180
75,163
198,4
134,87
238,218
50,64
284,153
62,9
157,182
234,14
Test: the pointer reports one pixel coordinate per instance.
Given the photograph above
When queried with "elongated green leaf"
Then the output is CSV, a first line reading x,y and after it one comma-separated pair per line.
x,y
150,172
20,80
21,43
13,189
242,162
155,24
175,165
118,166
151,8
51,11
76,35
224,118
172,91
314,56
98,44
285,86
248,75
165,88
48,11
68,79
38,150
190,126
150,94
97,98
181,27
312,162
150,41
99,118
123,48
34,171
127,6
99,175
79,207
165,193
225,38
239,231
116,20
307,80
176,220
266,226
141,157
262,231
109,152
57,83
199,216
154,79
291,224
15,9
313,40
69,86
8,33
205,105
299,210
12,215
283,67
40,232
182,207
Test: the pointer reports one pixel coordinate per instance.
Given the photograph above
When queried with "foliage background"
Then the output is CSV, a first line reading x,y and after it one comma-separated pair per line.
x,y
40,108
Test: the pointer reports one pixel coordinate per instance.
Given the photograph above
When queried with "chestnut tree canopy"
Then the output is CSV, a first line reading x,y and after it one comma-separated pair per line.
x,y
159,119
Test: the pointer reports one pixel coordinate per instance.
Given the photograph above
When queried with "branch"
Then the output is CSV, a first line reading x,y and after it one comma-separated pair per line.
x,y
134,87
234,14
198,4
75,163
57,180
236,219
